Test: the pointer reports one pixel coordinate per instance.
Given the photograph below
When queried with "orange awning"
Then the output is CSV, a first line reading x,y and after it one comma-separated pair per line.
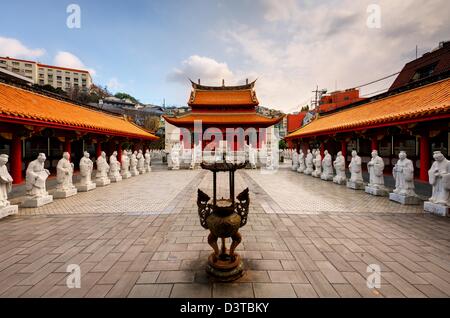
x,y
21,106
419,104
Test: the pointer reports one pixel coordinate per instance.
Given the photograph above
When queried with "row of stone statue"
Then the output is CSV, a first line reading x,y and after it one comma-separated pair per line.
x,y
132,164
403,173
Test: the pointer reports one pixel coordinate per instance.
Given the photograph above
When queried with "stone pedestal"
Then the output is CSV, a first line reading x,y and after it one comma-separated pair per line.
x,y
115,178
382,192
149,169
439,209
224,269
126,175
355,185
37,202
8,210
175,168
326,178
340,181
404,199
102,183
59,194
134,173
86,187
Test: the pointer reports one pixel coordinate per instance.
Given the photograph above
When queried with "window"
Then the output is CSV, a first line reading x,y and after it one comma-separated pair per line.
x,y
15,70
41,82
41,69
59,78
83,75
28,71
58,72
15,63
67,73
424,72
75,80
75,74
28,65
41,75
2,62
67,79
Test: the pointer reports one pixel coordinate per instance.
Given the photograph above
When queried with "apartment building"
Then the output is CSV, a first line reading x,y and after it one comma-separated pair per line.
x,y
58,77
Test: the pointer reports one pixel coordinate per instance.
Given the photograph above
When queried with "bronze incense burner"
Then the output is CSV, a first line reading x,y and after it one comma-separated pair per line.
x,y
223,218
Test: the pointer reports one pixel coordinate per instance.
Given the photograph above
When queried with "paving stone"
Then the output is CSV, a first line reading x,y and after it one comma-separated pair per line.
x,y
274,290
194,290
151,291
233,290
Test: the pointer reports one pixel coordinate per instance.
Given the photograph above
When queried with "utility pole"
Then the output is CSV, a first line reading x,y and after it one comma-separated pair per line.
x,y
318,96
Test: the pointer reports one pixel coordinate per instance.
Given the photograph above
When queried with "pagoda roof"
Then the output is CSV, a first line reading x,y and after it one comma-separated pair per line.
x,y
21,106
231,119
424,103
250,85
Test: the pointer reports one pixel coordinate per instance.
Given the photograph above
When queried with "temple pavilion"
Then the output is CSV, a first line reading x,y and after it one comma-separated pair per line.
x,y
222,107
33,121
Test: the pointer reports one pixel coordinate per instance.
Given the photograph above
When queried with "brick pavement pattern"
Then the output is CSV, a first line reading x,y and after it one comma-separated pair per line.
x,y
305,238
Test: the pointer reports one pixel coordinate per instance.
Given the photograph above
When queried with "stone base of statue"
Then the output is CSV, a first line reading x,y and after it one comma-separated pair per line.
x,y
355,185
142,171
381,192
224,269
339,180
439,209
175,168
148,169
115,178
326,177
61,194
404,199
37,202
102,182
86,187
300,170
126,175
134,173
315,174
294,168
8,210
307,172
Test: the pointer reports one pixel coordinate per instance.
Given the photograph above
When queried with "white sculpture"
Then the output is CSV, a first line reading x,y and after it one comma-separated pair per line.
x,y
403,173
101,177
64,174
148,161
36,177
175,156
309,163
317,164
86,167
327,165
125,165
133,164
252,154
141,162
339,166
196,155
301,162
356,180
376,179
439,178
5,187
114,168
294,166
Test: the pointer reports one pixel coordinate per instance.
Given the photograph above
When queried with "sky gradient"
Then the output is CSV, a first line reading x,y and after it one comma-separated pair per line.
x,y
150,48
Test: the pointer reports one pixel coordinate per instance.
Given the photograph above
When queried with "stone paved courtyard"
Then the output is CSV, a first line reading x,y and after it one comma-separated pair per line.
x,y
305,238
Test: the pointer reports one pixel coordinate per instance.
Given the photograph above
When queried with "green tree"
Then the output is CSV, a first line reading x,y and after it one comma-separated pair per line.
x,y
122,95
282,144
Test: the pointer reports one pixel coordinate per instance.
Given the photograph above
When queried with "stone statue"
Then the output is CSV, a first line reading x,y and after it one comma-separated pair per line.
x,y
148,161
327,165
64,174
301,162
309,163
439,178
133,164
125,165
294,166
86,167
114,168
403,173
317,164
141,162
339,166
36,177
5,187
376,179
101,177
175,156
252,156
356,180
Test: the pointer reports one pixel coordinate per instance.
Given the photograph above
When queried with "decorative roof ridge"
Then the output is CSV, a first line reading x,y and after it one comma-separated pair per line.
x,y
197,86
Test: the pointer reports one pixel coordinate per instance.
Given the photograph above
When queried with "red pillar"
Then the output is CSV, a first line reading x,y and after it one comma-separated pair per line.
x,y
322,149
98,150
68,146
424,157
119,152
16,159
344,149
374,143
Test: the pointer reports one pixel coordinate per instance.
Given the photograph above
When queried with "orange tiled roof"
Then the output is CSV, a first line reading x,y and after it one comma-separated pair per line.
x,y
223,97
417,104
23,106
224,119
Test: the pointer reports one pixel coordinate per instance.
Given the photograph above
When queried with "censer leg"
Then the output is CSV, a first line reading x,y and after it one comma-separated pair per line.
x,y
224,248
237,238
212,241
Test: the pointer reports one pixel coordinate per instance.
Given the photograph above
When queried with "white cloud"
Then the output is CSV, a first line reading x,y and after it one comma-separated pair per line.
x,y
67,59
14,48
308,43
200,67
114,84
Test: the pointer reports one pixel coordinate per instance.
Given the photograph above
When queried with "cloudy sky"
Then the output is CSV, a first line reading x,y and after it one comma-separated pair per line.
x,y
151,48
